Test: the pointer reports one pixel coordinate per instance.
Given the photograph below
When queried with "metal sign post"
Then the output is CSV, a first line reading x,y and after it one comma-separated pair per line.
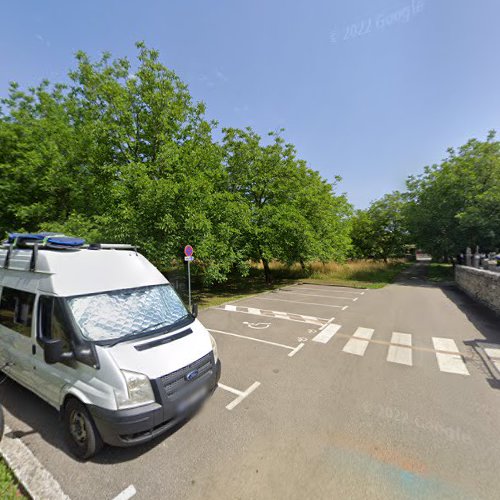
x,y
188,252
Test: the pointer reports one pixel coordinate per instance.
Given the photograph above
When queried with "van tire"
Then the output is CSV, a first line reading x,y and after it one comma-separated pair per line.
x,y
81,435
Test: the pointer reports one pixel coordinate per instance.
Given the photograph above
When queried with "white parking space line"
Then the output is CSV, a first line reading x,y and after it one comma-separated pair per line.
x,y
296,350
241,394
358,343
230,389
327,333
449,362
316,295
252,338
299,318
301,287
299,302
127,493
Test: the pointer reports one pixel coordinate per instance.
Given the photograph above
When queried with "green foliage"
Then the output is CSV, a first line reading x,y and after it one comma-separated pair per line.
x,y
456,204
291,213
123,154
381,230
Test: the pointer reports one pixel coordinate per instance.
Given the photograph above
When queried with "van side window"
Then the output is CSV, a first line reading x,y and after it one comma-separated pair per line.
x,y
16,310
52,324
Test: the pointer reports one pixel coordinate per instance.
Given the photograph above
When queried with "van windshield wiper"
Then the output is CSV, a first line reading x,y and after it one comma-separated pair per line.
x,y
148,329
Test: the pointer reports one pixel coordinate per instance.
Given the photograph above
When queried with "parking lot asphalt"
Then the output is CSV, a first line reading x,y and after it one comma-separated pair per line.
x,y
326,392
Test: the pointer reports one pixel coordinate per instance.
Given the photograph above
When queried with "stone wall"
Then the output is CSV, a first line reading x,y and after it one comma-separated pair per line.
x,y
481,285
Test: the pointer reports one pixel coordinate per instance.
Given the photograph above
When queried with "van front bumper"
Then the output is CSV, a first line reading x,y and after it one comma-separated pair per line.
x,y
133,426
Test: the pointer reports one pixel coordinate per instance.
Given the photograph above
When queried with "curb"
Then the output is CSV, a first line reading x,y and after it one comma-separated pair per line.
x,y
36,480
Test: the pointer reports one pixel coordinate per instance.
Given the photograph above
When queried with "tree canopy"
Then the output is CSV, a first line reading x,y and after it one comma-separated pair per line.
x,y
123,153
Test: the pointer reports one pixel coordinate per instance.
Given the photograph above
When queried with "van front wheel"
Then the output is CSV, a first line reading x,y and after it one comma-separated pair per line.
x,y
82,436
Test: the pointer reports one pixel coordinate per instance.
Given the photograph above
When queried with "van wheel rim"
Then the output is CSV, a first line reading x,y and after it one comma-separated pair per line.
x,y
78,428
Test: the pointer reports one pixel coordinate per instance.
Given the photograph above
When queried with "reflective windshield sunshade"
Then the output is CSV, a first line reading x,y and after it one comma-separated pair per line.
x,y
111,315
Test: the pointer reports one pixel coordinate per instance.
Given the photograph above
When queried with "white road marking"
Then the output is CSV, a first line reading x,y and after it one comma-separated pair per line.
x,y
34,477
354,300
327,333
492,352
242,396
449,363
363,333
127,493
344,308
401,339
299,318
299,302
442,344
296,350
400,353
230,389
315,295
331,289
257,326
252,338
358,343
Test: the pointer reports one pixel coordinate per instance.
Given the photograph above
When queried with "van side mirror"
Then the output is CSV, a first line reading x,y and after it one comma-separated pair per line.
x,y
194,310
53,351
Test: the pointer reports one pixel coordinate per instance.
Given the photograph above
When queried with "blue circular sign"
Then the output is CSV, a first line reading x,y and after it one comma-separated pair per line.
x,y
188,250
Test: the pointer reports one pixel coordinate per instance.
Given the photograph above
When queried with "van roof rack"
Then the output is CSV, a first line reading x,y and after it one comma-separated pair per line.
x,y
53,241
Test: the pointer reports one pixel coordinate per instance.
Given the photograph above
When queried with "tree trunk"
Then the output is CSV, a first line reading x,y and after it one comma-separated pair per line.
x,y
267,271
302,265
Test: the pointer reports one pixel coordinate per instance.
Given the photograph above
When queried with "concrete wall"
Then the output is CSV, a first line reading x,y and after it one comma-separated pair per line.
x,y
481,285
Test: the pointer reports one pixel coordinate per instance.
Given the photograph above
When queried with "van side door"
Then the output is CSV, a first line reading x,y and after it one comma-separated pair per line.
x,y
16,317
49,379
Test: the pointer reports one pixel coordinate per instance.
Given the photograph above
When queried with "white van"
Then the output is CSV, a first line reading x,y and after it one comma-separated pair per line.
x,y
100,334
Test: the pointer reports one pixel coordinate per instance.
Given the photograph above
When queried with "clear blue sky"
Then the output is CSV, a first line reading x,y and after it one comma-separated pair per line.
x,y
415,77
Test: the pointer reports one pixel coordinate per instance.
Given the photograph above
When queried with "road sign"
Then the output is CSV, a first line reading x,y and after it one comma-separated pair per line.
x,y
188,250
189,258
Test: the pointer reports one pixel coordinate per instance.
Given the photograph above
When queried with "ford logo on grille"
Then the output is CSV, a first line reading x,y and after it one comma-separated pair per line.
x,y
192,375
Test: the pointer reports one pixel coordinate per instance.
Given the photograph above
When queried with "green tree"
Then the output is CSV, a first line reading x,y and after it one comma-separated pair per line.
x,y
455,204
380,231
293,214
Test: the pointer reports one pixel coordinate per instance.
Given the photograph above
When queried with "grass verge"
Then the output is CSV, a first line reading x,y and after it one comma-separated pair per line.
x,y
355,274
438,272
9,488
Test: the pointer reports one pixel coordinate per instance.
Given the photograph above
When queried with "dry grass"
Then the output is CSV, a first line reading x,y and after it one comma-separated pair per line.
x,y
356,273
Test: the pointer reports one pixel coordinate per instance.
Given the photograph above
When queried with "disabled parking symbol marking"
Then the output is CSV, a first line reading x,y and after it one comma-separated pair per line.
x,y
257,326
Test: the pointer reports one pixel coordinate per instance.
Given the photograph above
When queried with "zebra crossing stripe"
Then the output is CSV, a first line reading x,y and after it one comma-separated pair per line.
x,y
327,333
449,361
400,353
358,343
494,354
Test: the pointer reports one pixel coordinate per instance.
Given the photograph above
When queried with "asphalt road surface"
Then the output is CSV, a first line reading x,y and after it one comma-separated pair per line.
x,y
326,392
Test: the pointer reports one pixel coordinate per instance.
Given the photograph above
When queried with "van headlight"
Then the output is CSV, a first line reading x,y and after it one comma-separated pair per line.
x,y
139,391
214,348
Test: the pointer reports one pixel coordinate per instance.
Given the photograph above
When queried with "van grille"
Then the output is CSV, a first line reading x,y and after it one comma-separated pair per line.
x,y
175,384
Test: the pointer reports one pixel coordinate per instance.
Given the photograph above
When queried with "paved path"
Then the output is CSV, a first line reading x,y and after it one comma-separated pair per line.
x,y
326,392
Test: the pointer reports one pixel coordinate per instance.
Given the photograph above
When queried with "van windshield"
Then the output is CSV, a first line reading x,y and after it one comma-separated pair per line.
x,y
111,316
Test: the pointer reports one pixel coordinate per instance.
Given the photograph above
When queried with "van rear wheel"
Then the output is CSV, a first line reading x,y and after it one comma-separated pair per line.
x,y
81,434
